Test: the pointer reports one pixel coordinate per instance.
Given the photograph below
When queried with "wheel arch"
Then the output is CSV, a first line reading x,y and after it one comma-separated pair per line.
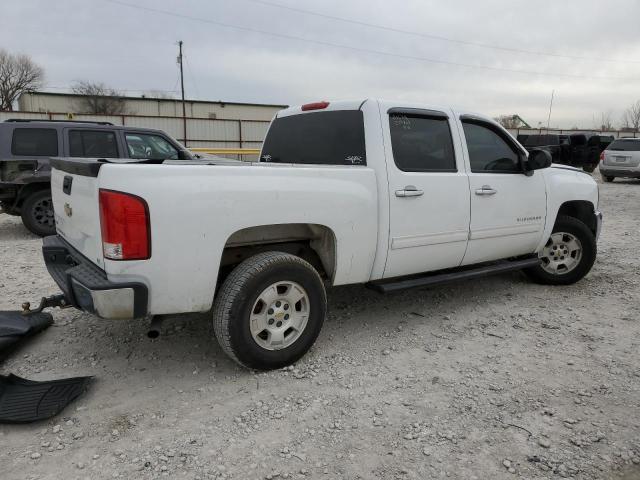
x,y
27,190
314,243
583,210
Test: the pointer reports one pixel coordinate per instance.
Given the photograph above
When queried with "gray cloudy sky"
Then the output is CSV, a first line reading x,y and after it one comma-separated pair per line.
x,y
135,50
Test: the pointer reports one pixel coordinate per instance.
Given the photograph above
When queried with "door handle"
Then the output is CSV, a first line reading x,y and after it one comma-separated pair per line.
x,y
486,190
409,191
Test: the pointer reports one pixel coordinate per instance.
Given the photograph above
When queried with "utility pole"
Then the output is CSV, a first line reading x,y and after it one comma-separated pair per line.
x,y
184,108
550,107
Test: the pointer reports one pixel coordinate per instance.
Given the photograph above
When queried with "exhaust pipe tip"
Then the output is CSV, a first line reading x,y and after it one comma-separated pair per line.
x,y
154,327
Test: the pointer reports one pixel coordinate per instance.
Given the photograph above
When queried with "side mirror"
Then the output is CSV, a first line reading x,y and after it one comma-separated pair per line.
x,y
183,155
537,159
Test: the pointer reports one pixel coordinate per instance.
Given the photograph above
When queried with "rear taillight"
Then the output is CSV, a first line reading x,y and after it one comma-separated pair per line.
x,y
602,156
314,106
124,222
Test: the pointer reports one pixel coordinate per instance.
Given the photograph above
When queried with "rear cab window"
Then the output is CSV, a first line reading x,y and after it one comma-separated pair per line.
x,y
625,145
35,142
317,138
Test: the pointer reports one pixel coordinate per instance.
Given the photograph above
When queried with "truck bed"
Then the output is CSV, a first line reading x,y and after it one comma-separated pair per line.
x,y
196,207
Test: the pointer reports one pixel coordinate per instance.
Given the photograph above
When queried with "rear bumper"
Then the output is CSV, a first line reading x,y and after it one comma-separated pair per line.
x,y
630,172
86,286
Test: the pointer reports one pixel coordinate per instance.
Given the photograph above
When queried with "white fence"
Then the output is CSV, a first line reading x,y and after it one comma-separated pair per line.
x,y
201,132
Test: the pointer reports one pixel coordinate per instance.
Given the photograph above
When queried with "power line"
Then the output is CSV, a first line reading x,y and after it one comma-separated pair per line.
x,y
436,37
363,50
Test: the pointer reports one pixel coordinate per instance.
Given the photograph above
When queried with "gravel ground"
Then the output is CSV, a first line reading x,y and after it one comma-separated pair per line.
x,y
497,378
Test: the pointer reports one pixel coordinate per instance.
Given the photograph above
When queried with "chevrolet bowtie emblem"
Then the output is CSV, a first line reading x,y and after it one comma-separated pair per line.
x,y
68,210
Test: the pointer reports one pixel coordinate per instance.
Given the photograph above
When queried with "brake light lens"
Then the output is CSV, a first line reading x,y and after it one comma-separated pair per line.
x,y
602,156
314,106
124,222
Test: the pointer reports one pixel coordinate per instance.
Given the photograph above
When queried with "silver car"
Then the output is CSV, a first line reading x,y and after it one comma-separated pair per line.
x,y
621,159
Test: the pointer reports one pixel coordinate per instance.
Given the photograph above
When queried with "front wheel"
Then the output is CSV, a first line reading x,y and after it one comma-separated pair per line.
x,y
37,213
567,256
269,310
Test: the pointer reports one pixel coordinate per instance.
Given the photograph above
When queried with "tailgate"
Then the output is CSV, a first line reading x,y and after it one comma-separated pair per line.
x,y
74,190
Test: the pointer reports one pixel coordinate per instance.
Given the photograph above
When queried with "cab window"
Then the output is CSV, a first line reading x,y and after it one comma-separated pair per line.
x,y
151,147
421,143
93,144
489,152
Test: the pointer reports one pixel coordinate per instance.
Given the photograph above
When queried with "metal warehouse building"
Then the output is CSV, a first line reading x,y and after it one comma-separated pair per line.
x,y
209,124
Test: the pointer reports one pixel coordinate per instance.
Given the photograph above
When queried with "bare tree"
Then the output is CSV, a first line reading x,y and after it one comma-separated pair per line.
x,y
18,74
97,98
511,121
603,122
631,116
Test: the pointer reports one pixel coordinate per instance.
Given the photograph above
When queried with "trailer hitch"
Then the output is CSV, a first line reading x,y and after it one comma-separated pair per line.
x,y
46,302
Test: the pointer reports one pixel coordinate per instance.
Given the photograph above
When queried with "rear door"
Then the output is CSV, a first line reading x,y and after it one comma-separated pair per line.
x,y
428,191
508,208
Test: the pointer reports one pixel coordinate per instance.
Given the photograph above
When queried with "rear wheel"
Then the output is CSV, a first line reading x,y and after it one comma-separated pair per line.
x,y
37,213
608,178
269,310
567,256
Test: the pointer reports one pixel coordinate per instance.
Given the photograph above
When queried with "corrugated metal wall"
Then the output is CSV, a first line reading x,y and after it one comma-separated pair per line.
x,y
152,107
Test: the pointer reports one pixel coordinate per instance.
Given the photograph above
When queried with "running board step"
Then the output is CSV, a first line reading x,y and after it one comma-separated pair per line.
x,y
448,276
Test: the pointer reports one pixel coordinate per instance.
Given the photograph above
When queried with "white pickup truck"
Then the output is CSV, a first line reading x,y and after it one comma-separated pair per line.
x,y
388,194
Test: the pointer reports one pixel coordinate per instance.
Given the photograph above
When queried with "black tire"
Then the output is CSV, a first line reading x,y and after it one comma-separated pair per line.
x,y
608,178
240,291
589,168
587,240
37,213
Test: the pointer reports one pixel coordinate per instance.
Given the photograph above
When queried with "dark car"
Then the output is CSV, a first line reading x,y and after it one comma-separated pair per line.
x,y
27,145
580,150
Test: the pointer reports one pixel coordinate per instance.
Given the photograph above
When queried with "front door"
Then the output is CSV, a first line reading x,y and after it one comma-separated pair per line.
x,y
508,208
429,192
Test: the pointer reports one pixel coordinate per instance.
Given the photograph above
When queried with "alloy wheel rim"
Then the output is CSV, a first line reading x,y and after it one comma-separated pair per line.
x,y
561,254
279,315
42,213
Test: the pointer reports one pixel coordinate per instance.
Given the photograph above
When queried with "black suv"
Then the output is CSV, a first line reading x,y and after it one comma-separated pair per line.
x,y
27,145
578,150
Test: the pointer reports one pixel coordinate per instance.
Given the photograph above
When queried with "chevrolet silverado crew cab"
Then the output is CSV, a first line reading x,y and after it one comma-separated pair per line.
x,y
27,145
390,195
